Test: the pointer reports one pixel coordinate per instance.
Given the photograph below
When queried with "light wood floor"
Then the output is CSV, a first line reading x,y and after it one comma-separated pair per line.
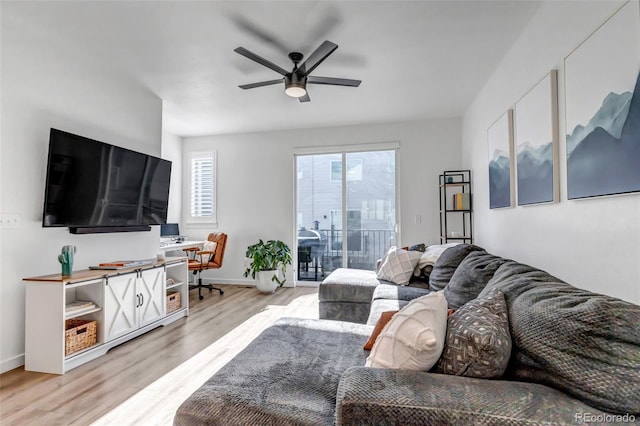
x,y
143,381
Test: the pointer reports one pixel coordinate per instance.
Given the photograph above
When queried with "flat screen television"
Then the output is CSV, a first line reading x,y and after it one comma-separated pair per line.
x,y
92,186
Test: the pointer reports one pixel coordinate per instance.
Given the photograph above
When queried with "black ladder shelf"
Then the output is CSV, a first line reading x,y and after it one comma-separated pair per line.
x,y
456,208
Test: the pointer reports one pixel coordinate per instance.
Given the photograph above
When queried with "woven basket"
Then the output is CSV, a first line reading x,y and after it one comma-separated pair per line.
x,y
79,334
173,302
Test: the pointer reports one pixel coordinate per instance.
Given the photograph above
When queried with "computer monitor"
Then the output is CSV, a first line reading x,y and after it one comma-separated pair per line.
x,y
169,230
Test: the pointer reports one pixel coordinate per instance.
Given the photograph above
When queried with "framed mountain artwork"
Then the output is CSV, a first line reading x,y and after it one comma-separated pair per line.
x,y
602,92
501,171
536,138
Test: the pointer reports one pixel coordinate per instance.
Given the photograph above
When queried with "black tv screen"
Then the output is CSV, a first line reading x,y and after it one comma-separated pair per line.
x,y
95,184
170,230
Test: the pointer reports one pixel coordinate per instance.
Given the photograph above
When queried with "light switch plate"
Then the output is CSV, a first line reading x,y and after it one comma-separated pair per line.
x,y
9,220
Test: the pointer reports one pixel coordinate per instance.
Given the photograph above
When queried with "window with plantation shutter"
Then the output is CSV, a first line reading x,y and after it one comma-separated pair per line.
x,y
202,202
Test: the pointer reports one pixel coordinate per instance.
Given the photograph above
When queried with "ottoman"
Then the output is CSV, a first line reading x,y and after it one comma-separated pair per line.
x,y
345,295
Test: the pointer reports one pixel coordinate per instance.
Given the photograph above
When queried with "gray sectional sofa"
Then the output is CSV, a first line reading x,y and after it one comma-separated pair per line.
x,y
575,358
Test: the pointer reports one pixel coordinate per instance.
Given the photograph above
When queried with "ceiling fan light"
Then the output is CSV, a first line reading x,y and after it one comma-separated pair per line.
x,y
295,90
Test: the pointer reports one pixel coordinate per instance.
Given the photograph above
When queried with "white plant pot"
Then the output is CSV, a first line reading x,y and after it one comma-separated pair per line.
x,y
264,283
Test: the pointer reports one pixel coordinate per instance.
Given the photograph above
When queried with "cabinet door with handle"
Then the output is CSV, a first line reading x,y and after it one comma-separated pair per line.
x,y
120,305
150,288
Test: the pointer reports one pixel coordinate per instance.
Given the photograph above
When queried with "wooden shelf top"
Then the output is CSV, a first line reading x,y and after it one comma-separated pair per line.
x,y
92,274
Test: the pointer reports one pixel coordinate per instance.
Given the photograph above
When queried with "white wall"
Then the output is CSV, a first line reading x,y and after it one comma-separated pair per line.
x,y
172,151
591,243
256,181
42,87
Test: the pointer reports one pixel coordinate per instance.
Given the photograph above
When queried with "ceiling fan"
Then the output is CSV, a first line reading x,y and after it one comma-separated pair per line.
x,y
296,80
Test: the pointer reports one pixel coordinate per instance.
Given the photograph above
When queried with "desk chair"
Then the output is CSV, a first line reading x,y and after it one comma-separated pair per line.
x,y
202,259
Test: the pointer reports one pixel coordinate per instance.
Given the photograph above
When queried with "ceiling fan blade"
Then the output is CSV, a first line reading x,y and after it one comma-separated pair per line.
x,y
305,98
323,27
316,58
260,84
259,59
260,33
333,81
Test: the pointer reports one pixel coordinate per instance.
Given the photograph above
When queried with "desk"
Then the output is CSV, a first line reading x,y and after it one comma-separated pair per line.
x,y
164,247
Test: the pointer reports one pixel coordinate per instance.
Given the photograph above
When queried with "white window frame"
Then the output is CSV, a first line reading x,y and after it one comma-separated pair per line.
x,y
343,150
212,219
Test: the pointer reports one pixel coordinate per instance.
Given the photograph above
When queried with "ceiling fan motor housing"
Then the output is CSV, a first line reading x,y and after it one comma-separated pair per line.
x,y
295,81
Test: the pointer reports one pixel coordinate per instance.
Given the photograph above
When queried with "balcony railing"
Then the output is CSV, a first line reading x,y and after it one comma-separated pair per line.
x,y
318,256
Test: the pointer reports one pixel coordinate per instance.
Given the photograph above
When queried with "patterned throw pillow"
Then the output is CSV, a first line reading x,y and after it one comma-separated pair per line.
x,y
413,339
478,342
398,265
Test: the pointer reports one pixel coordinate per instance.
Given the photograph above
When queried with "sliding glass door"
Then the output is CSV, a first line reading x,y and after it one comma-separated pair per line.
x,y
346,210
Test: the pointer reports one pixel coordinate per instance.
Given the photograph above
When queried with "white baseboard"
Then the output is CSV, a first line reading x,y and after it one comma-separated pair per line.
x,y
250,283
307,283
11,363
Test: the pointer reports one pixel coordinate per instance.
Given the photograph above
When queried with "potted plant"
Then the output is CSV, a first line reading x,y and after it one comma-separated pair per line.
x,y
267,259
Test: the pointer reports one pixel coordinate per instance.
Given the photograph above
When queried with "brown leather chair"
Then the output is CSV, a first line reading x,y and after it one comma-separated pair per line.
x,y
201,260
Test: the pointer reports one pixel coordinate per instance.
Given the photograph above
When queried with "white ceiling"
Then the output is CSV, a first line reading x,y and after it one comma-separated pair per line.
x,y
416,59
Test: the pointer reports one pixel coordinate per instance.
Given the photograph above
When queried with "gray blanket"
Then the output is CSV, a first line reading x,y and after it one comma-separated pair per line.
x,y
585,344
287,375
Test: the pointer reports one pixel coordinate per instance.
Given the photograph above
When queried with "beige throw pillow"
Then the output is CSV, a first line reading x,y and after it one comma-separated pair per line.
x,y
207,246
398,265
413,339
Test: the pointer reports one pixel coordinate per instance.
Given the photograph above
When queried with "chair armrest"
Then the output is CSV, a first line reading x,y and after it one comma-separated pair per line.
x,y
383,396
191,249
205,252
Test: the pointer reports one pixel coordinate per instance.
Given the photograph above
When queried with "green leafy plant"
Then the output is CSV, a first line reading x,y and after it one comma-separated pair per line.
x,y
269,256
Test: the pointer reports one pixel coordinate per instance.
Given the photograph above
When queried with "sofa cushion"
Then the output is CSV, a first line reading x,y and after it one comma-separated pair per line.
x,y
447,263
398,265
288,375
389,297
381,305
376,396
471,276
583,343
478,343
390,291
414,338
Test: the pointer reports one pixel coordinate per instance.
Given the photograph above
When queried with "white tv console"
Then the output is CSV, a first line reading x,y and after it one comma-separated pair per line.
x,y
128,303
